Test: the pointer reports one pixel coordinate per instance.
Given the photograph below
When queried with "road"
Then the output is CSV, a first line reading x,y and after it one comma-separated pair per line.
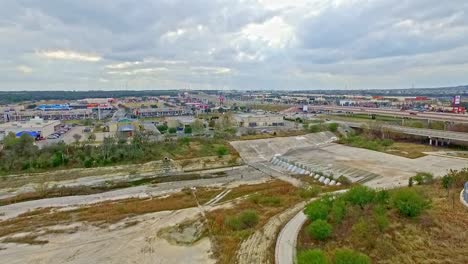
x,y
285,251
286,243
457,118
430,133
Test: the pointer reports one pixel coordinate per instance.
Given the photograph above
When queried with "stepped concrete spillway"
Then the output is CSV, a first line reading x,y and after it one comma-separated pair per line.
x,y
317,156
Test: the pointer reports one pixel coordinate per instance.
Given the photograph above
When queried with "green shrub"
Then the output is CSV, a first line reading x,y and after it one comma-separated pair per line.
x,y
317,210
222,150
338,211
382,197
409,202
333,127
319,229
313,256
423,178
315,128
386,142
172,130
380,217
348,256
360,195
246,219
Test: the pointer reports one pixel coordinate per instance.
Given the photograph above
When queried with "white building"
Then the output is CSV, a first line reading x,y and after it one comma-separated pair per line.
x,y
38,125
259,120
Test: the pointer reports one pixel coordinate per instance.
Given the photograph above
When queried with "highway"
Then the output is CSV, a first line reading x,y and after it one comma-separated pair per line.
x,y
449,117
429,133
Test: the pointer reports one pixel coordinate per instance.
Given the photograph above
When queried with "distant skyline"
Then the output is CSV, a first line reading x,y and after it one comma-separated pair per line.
x,y
226,44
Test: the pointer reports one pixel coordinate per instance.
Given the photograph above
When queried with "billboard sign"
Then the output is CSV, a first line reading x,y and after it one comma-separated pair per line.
x,y
456,100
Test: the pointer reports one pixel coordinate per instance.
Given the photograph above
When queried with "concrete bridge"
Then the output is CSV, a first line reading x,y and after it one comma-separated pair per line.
x,y
435,137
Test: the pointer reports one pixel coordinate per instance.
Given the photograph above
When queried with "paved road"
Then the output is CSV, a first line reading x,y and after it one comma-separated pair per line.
x,y
286,243
285,252
430,133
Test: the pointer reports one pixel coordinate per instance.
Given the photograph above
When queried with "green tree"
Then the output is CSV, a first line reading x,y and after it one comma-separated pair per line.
x,y
172,130
319,229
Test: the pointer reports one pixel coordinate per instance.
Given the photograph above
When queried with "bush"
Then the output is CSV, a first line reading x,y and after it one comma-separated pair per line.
x,y
348,256
360,195
222,150
317,210
338,211
246,219
380,217
315,128
333,127
423,178
188,130
382,197
319,229
409,202
314,256
172,130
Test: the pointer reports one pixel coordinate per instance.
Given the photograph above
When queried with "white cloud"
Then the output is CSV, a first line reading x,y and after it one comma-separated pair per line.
x,y
69,55
275,33
24,69
141,71
172,36
211,70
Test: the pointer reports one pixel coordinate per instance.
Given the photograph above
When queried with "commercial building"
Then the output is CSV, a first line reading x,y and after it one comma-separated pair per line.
x,y
39,126
259,120
48,115
157,112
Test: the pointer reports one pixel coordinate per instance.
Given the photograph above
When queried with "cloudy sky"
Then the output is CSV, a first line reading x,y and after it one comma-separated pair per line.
x,y
229,44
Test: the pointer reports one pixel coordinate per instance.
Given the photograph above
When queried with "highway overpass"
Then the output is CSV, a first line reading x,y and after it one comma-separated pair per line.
x,y
447,117
435,137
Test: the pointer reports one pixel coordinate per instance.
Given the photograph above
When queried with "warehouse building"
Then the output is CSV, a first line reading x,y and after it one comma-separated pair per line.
x,y
35,126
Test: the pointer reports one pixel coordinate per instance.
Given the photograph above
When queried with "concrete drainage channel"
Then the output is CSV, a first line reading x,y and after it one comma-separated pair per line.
x,y
297,168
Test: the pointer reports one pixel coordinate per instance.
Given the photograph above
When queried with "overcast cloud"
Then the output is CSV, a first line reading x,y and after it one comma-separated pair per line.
x,y
228,44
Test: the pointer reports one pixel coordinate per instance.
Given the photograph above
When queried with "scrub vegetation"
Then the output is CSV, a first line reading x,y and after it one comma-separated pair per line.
x,y
418,224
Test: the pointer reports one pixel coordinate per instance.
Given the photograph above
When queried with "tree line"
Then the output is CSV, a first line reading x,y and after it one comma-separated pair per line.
x,y
21,154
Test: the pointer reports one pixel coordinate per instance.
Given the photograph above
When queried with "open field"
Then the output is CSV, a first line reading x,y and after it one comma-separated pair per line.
x,y
438,235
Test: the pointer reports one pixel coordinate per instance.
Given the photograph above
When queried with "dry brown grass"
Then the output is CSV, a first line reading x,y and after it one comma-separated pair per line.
x,y
411,150
288,133
437,236
227,240
29,239
103,213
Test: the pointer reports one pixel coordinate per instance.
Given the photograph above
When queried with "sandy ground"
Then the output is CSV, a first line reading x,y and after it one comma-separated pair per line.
x,y
116,244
